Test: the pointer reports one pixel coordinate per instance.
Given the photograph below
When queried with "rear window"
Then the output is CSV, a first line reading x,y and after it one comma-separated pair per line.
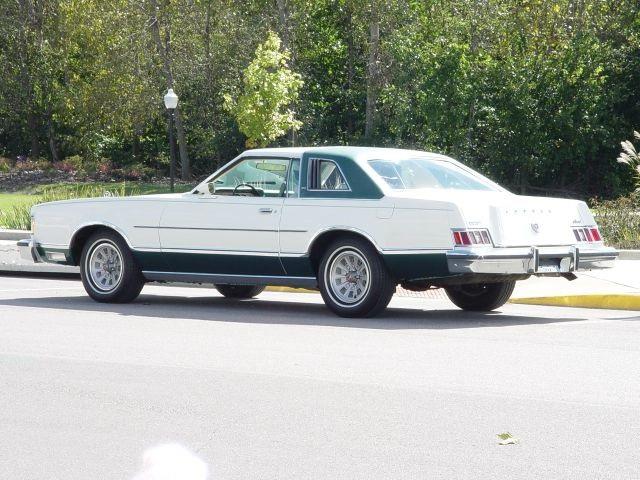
x,y
426,173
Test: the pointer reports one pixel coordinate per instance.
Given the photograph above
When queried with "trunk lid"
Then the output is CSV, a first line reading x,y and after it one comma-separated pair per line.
x,y
514,220
536,221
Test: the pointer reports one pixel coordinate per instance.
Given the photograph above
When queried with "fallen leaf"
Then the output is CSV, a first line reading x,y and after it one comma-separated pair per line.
x,y
507,439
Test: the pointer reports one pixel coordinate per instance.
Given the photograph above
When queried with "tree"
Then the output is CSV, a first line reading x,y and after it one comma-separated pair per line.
x,y
164,51
263,109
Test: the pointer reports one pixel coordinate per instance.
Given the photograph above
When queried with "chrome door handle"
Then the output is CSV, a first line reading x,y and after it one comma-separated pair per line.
x,y
266,210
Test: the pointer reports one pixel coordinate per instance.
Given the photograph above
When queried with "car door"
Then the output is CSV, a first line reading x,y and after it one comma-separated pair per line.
x,y
234,229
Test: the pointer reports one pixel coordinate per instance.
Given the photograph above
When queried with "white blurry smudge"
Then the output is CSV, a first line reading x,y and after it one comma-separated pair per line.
x,y
171,462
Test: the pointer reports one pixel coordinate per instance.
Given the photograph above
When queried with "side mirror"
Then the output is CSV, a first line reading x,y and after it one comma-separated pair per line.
x,y
212,188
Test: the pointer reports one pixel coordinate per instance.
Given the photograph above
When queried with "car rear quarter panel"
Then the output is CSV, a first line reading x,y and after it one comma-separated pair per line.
x,y
392,224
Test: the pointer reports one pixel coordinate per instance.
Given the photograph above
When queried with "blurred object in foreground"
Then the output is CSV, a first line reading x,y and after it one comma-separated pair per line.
x,y
171,462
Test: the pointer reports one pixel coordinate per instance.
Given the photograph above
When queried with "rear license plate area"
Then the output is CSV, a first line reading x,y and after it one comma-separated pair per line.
x,y
549,265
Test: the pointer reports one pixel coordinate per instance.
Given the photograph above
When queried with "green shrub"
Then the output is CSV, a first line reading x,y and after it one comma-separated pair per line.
x,y
5,165
19,216
619,221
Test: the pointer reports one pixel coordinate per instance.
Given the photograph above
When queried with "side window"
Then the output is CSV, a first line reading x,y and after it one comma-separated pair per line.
x,y
326,175
293,179
259,177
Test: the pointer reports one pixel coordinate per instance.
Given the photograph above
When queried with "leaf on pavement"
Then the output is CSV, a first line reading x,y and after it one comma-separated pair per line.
x,y
506,439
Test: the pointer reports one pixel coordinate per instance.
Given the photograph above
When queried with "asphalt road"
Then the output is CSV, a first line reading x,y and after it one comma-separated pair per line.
x,y
278,388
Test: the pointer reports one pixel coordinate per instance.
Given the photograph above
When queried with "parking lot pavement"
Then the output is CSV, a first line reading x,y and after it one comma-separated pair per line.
x,y
279,388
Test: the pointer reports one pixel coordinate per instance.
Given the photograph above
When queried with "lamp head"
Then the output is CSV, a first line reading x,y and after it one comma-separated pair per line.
x,y
171,99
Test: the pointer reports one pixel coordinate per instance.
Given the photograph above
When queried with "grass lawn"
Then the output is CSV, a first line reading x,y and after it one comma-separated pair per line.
x,y
8,200
32,195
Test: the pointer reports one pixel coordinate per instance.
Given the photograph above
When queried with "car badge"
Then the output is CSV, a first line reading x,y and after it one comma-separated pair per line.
x,y
535,227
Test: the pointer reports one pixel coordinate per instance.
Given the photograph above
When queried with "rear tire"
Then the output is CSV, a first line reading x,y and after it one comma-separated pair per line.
x,y
353,279
481,297
240,292
108,270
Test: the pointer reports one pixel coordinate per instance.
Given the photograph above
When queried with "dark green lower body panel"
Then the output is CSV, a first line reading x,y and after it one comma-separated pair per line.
x,y
209,263
402,267
417,266
298,266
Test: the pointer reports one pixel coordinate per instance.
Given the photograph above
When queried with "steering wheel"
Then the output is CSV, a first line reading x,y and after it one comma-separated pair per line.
x,y
252,190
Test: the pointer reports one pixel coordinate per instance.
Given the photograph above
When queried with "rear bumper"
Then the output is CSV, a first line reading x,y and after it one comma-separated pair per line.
x,y
530,260
28,251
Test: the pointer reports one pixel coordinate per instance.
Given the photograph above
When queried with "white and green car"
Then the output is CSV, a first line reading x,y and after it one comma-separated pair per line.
x,y
353,222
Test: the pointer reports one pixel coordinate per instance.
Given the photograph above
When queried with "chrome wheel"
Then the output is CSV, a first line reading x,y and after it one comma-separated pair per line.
x,y
348,276
104,265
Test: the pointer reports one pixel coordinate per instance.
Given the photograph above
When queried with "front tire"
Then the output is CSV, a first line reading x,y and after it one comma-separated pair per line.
x,y
353,279
108,270
481,297
240,292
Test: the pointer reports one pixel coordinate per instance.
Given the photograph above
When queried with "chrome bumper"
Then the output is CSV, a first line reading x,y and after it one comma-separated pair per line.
x,y
530,260
28,251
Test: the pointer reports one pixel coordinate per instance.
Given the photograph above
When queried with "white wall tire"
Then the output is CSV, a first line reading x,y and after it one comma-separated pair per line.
x,y
353,279
108,270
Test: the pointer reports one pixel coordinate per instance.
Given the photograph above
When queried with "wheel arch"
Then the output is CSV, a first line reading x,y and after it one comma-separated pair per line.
x,y
82,234
324,238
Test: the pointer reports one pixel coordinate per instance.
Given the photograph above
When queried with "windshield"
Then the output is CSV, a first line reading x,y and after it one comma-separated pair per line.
x,y
413,173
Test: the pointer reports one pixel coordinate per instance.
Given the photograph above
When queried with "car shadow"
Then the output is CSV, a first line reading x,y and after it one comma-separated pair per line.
x,y
270,311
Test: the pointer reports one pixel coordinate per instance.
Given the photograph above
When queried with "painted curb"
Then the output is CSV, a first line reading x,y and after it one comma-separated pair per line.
x,y
628,301
14,234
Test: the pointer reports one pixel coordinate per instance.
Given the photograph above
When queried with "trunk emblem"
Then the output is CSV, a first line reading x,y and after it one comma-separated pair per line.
x,y
535,227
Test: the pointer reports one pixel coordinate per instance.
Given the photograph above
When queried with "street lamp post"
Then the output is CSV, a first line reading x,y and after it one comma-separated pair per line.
x,y
171,102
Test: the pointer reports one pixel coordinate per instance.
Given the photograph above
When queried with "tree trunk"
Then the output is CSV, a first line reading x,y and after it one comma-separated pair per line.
x,y
185,167
350,70
283,14
52,140
163,50
372,77
32,123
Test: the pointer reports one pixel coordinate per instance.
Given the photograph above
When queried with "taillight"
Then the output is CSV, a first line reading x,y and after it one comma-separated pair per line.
x,y
587,234
462,238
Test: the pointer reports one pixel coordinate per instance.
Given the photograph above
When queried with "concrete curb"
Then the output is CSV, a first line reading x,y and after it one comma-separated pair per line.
x,y
606,301
629,255
14,234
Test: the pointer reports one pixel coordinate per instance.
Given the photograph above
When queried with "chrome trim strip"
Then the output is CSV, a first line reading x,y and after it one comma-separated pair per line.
x,y
210,229
205,251
100,224
221,229
339,228
220,252
233,279
28,251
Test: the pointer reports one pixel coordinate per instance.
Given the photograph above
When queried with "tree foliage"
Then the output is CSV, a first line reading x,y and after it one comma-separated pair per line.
x,y
535,93
263,109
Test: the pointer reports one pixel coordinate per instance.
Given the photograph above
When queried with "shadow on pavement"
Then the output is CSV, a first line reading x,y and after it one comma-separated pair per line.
x,y
270,311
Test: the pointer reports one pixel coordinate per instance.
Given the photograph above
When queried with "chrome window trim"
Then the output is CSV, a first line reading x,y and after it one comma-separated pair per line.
x,y
228,166
291,160
313,159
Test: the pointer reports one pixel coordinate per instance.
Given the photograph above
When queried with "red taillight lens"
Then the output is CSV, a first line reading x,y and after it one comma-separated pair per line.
x,y
587,234
471,237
